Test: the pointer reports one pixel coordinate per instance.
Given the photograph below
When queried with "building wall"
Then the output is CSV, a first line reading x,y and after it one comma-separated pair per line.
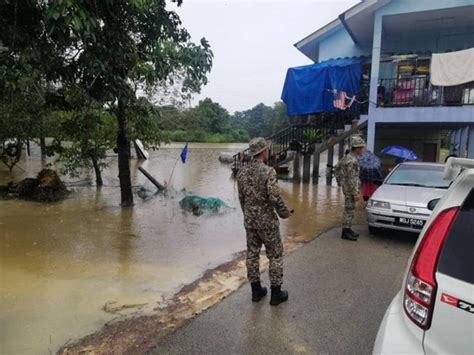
x,y
432,114
412,114
408,137
340,45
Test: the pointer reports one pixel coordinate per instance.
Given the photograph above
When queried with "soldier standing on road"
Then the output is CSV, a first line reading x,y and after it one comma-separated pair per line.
x,y
347,175
261,204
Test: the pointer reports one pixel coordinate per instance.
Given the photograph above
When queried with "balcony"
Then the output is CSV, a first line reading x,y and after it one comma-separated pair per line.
x,y
417,91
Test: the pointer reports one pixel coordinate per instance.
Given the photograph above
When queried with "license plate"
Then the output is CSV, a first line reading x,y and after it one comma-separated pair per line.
x,y
411,222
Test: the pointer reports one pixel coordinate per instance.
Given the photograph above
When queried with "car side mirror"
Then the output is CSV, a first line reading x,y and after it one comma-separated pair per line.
x,y
432,204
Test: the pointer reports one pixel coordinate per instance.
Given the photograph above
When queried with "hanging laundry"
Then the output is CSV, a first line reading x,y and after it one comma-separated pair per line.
x,y
340,100
454,68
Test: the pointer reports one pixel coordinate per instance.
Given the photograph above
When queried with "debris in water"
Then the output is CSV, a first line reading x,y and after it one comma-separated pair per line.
x,y
225,157
197,204
152,179
112,307
46,187
144,193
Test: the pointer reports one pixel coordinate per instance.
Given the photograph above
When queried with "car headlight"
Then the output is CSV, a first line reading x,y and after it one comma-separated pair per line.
x,y
379,204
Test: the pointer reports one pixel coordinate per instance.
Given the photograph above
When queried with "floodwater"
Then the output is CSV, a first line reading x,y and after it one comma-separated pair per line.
x,y
68,268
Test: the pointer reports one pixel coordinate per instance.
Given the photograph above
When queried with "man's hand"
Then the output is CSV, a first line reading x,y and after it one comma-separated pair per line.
x,y
356,198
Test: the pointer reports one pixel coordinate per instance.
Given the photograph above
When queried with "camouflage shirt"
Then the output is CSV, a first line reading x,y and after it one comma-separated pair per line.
x,y
347,174
260,196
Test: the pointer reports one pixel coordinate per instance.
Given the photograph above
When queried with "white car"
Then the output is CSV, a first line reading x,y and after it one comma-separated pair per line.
x,y
434,311
401,202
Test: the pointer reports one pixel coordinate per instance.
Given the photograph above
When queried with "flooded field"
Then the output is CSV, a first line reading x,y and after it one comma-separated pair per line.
x,y
68,268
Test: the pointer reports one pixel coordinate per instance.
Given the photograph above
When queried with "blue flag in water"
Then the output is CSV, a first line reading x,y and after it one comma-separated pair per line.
x,y
184,153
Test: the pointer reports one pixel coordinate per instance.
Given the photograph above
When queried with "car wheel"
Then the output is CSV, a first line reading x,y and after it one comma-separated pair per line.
x,y
374,230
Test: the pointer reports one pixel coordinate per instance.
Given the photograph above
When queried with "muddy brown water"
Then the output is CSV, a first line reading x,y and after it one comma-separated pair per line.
x,y
68,268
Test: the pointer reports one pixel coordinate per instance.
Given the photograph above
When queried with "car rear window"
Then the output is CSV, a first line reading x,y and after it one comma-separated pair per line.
x,y
456,258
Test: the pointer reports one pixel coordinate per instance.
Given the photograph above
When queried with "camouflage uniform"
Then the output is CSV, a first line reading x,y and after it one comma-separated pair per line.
x,y
261,201
347,175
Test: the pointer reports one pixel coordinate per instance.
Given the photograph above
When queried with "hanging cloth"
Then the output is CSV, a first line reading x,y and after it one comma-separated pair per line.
x,y
309,88
340,100
454,68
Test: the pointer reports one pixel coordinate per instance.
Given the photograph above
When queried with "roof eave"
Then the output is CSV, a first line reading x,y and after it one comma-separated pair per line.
x,y
341,20
317,35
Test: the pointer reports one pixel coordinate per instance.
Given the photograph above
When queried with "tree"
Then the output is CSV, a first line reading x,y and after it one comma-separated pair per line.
x,y
121,47
29,63
262,120
145,124
112,49
90,131
208,116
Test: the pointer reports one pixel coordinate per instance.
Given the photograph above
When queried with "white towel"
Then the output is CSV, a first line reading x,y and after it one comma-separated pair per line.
x,y
454,68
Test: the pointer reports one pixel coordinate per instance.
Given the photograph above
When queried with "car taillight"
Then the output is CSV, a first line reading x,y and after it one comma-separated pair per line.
x,y
420,287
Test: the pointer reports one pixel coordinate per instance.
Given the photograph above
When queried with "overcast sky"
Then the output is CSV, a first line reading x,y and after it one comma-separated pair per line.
x,y
252,41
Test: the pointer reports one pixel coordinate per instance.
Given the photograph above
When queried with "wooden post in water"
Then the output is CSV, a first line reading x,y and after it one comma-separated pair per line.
x,y
306,167
296,168
152,179
330,165
316,159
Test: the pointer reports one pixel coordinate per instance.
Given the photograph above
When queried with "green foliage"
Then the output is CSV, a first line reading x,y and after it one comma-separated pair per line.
x,y
89,144
262,120
209,122
115,47
145,123
107,50
312,135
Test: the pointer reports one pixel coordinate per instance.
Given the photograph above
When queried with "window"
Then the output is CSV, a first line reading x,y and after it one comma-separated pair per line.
x,y
456,258
419,175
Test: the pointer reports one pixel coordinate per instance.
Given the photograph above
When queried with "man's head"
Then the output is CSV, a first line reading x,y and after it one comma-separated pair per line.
x,y
357,145
259,148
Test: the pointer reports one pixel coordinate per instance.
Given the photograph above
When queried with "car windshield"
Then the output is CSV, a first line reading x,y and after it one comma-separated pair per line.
x,y
418,175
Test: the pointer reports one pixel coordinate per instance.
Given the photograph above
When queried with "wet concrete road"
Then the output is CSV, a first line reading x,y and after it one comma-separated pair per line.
x,y
339,291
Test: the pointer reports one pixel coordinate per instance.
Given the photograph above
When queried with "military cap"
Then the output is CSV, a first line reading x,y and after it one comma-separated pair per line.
x,y
258,145
357,142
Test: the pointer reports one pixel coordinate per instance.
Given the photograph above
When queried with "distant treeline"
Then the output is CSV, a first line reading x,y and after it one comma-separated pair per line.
x,y
211,123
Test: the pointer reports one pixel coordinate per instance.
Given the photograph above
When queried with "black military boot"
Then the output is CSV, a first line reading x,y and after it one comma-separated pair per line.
x,y
258,292
354,233
278,296
346,234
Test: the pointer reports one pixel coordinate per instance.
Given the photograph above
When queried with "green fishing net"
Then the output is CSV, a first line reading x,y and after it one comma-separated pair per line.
x,y
197,204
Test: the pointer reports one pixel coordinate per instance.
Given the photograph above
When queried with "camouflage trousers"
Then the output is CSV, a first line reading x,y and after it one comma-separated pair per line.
x,y
349,209
274,250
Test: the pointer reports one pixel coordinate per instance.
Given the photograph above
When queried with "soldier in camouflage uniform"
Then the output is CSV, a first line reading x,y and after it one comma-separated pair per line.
x,y
261,204
347,175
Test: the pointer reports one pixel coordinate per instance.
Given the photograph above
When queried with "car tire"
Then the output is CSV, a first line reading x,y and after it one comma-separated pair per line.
x,y
374,230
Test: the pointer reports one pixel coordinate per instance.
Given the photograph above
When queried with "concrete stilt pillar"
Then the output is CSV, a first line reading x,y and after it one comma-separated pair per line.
x,y
296,168
316,159
306,167
341,150
330,165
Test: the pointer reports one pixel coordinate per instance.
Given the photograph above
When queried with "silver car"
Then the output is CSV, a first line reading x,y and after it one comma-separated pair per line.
x,y
434,311
402,202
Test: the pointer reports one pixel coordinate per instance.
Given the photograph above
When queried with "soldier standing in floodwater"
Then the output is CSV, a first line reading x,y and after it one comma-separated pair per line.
x,y
347,175
261,204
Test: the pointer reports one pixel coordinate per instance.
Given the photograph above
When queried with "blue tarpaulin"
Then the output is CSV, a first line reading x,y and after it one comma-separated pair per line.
x,y
308,89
